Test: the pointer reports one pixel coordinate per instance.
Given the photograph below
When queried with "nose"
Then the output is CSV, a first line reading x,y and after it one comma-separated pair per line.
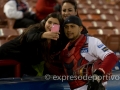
x,y
69,29
66,12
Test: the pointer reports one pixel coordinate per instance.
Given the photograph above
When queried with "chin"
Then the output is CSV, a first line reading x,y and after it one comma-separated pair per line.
x,y
70,38
64,18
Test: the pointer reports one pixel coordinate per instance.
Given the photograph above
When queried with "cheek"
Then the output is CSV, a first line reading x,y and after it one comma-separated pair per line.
x,y
73,13
46,26
62,14
75,32
65,32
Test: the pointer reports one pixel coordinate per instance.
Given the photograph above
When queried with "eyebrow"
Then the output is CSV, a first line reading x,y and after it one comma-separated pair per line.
x,y
55,23
68,8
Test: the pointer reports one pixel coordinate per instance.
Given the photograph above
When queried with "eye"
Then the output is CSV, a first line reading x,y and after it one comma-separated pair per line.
x,y
50,22
56,23
66,27
70,10
64,10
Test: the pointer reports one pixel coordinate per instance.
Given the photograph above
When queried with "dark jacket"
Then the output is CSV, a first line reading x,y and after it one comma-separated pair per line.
x,y
31,50
27,49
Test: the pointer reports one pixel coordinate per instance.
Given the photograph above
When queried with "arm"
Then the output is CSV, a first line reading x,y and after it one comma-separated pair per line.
x,y
109,60
37,35
34,35
105,54
10,10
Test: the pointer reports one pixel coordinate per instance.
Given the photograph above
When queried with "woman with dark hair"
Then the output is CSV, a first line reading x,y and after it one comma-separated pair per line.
x,y
29,48
68,7
30,38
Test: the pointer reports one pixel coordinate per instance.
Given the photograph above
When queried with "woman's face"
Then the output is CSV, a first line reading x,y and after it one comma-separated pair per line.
x,y
50,22
67,10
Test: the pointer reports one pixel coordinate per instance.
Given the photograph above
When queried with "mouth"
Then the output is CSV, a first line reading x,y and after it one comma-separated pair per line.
x,y
49,29
66,17
69,34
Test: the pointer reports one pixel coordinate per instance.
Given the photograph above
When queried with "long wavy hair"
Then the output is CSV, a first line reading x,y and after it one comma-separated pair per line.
x,y
41,26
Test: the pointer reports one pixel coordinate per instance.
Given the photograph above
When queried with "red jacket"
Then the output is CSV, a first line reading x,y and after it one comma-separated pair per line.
x,y
44,7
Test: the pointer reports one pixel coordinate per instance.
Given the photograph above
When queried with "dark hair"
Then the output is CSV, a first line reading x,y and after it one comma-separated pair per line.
x,y
76,20
73,2
54,15
41,25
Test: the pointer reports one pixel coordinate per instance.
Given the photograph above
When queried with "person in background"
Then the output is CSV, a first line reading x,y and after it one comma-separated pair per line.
x,y
44,7
80,51
31,49
69,7
18,12
57,7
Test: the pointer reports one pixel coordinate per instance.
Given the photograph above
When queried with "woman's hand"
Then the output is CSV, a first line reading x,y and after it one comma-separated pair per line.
x,y
50,35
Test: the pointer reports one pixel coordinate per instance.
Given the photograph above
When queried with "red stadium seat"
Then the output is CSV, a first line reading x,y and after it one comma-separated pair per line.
x,y
113,42
103,37
93,31
2,40
10,37
6,32
12,62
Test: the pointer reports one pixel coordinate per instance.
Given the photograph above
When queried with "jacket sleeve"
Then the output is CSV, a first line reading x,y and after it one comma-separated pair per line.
x,y
34,35
10,10
108,57
108,63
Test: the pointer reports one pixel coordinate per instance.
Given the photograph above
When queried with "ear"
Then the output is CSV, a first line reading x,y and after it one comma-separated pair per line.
x,y
76,12
81,28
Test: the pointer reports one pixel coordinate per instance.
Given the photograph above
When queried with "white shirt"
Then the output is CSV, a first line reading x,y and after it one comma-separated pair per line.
x,y
10,10
93,50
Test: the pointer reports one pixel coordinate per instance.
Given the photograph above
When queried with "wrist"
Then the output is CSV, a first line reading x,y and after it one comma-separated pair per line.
x,y
43,35
98,72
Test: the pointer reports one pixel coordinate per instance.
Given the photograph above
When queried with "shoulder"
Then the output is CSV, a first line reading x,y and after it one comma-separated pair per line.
x,y
33,29
11,3
92,40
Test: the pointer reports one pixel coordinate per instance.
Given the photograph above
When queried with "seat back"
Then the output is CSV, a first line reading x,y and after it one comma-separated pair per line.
x,y
113,42
102,37
6,32
14,63
2,40
10,37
